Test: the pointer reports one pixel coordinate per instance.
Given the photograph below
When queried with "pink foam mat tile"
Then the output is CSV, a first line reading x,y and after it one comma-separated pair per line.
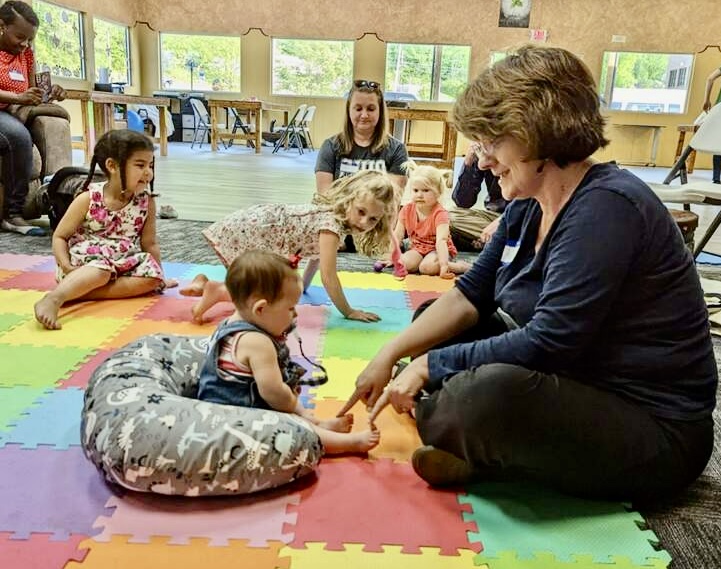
x,y
31,280
417,298
378,503
6,274
258,518
40,551
12,261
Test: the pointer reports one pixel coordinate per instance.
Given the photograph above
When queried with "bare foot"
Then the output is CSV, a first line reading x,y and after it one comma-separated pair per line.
x,y
459,267
342,424
213,293
365,441
46,312
196,286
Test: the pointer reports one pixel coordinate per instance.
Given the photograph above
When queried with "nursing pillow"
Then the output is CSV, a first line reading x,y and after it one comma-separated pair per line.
x,y
144,429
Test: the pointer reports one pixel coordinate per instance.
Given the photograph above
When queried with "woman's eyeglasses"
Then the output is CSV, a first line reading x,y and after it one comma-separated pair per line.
x,y
369,84
484,149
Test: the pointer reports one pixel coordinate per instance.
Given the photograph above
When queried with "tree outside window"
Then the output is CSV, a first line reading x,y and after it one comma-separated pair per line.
x,y
645,82
428,72
200,63
312,68
58,44
111,52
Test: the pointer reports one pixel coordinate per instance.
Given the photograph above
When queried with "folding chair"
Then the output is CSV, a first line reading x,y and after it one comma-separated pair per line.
x,y
291,130
707,139
305,125
202,123
239,123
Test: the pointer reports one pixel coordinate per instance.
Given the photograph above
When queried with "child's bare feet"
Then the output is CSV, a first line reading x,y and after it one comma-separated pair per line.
x,y
342,424
213,293
364,441
46,312
196,286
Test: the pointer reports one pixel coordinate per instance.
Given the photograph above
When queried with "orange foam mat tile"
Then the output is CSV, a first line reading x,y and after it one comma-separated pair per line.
x,y
399,437
119,553
427,284
315,556
6,274
138,328
121,308
77,332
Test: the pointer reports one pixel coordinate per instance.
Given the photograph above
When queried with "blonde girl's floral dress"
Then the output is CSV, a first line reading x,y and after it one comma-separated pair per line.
x,y
110,240
283,229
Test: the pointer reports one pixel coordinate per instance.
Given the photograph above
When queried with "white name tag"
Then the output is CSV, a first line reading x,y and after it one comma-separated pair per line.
x,y
509,252
16,75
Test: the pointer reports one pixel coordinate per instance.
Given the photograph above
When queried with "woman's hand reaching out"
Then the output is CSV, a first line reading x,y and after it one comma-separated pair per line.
x,y
401,392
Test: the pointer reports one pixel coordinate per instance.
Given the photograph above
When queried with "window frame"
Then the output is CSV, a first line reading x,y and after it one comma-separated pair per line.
x,y
81,40
347,83
128,62
436,80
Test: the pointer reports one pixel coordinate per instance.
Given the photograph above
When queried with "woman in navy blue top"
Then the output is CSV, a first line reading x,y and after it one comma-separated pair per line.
x,y
577,350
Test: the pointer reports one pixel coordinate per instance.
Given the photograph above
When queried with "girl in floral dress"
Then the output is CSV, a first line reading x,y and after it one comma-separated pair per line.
x,y
105,245
362,205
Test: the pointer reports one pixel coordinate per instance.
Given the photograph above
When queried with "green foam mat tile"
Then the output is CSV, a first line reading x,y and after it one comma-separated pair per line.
x,y
81,332
9,321
343,343
527,519
546,560
38,366
15,401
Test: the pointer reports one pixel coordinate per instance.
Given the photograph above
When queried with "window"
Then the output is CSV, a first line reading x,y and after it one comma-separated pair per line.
x,y
645,82
58,44
112,63
429,72
200,63
312,68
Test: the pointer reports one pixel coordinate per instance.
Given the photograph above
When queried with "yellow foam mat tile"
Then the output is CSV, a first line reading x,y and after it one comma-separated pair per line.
x,y
19,301
6,274
365,280
121,308
118,553
314,556
399,437
342,374
424,283
143,327
80,332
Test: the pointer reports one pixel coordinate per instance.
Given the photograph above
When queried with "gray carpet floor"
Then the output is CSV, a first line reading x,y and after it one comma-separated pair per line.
x,y
688,526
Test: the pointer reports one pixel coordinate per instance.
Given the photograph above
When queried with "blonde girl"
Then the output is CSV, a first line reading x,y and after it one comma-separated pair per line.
x,y
426,223
105,245
361,205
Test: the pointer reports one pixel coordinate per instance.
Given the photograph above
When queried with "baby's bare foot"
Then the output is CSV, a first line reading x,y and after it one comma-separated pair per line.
x,y
364,441
342,424
46,312
213,293
196,286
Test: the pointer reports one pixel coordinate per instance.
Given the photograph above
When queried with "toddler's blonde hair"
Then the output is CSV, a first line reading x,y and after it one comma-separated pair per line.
x,y
434,178
344,191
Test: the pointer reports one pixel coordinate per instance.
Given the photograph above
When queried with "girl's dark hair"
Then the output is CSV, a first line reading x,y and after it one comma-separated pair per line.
x,y
118,145
12,9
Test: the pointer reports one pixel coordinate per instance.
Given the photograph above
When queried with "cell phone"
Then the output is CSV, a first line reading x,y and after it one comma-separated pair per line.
x,y
43,82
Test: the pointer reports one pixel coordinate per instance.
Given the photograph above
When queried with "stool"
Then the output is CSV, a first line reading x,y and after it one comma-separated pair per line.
x,y
687,222
682,130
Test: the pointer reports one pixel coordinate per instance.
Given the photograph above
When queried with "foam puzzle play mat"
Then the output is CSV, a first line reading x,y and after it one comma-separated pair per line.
x,y
56,510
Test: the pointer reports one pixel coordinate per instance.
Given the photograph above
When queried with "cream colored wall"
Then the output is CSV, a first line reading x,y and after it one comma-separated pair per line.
x,y
583,26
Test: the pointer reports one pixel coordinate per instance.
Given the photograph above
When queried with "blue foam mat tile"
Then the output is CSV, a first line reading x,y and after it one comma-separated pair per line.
x,y
53,421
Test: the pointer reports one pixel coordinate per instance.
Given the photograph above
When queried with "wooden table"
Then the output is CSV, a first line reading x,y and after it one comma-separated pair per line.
x,y
104,115
682,130
655,135
243,106
441,154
